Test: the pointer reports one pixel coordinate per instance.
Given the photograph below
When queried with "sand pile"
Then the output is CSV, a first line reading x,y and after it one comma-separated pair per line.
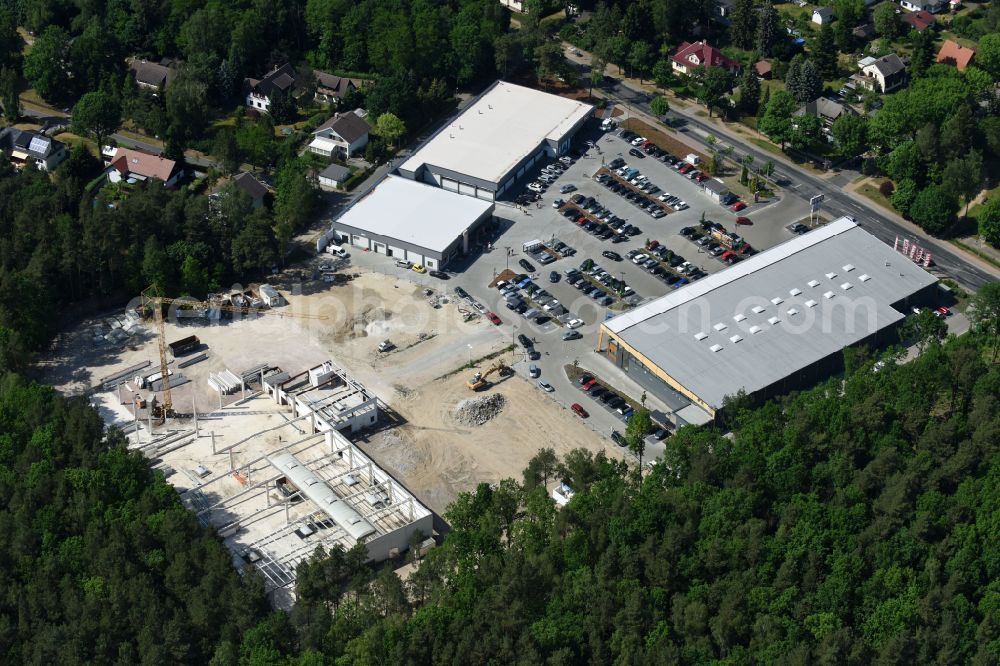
x,y
477,411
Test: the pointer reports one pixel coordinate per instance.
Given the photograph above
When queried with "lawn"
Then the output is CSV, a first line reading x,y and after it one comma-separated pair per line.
x,y
872,192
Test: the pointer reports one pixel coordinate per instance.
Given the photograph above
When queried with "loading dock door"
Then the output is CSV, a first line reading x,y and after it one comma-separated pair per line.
x,y
414,257
360,241
397,252
380,247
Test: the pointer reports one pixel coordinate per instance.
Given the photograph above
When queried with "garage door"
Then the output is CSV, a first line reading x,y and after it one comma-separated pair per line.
x,y
380,247
397,252
467,189
414,257
449,184
360,241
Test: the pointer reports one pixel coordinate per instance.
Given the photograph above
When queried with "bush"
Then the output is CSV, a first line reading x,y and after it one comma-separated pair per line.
x,y
887,188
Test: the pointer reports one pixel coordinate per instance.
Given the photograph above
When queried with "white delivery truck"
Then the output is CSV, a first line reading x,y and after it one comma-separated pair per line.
x,y
336,250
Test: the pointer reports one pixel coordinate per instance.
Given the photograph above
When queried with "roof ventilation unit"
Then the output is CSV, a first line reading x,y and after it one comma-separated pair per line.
x,y
740,317
720,326
735,338
794,291
755,329
813,283
758,309
716,348
848,268
810,303
700,336
792,311
773,320
864,277
828,295
777,299
846,286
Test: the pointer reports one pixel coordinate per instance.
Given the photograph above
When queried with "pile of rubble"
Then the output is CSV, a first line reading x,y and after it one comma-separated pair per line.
x,y
477,411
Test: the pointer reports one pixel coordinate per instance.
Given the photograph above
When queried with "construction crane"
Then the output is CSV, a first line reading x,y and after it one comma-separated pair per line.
x,y
480,380
151,300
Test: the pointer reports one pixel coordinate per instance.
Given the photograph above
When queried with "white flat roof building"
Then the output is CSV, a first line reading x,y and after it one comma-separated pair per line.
x,y
773,322
412,221
493,142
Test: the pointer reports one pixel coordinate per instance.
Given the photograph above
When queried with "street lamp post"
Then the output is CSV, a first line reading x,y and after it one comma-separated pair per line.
x,y
513,351
507,248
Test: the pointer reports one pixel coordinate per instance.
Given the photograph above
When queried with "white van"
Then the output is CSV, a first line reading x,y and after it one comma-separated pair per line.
x,y
336,250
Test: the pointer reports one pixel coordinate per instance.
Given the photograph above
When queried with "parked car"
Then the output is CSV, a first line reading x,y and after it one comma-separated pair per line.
x,y
402,263
635,152
526,265
589,385
579,411
942,312
574,323
524,340
744,221
417,268
534,371
545,386
798,228
493,318
614,256
584,379
566,189
571,335
439,275
737,207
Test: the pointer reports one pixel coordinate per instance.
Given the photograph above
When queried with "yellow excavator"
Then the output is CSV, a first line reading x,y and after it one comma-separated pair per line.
x,y
480,380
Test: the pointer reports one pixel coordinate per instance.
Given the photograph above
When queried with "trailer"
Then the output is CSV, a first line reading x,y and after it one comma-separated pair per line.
x,y
184,346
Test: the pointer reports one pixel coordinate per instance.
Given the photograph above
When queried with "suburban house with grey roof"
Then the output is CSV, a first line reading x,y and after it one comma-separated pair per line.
x,y
884,74
343,135
260,92
827,111
25,147
148,75
330,89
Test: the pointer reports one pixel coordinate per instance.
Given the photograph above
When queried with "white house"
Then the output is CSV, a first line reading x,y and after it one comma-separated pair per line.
x,y
280,80
134,166
932,6
343,135
26,147
885,74
333,176
692,57
822,15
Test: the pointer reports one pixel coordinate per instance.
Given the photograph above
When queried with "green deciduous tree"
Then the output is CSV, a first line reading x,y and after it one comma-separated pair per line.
x,y
850,132
934,209
984,313
776,122
659,106
639,426
715,84
806,132
989,221
640,59
988,54
886,21
663,73
97,114
46,67
389,127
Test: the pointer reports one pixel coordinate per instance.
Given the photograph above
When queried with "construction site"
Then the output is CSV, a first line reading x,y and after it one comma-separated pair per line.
x,y
344,412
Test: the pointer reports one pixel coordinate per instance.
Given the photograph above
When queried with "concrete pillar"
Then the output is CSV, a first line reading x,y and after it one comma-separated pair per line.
x,y
232,461
465,241
329,441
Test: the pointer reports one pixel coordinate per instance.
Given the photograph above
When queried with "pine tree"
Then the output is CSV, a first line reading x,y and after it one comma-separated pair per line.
x,y
749,92
825,52
743,23
768,29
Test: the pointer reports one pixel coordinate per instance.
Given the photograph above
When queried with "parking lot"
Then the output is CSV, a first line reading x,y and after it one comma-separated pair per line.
x,y
528,223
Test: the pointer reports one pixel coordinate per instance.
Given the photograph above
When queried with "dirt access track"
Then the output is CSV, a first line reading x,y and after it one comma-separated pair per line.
x,y
432,453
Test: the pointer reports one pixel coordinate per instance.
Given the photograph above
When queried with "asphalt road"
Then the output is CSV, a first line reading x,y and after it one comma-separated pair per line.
x,y
803,184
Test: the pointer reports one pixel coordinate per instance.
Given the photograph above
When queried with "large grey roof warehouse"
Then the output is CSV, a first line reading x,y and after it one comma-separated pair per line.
x,y
773,315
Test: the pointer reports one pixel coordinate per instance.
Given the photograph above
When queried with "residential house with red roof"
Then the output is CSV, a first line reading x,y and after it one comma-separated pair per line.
x,y
134,166
690,57
956,55
920,20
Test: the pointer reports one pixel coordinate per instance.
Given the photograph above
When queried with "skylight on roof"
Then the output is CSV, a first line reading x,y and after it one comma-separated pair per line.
x,y
846,286
755,329
735,338
848,268
792,311
773,320
758,309
739,317
829,294
864,277
700,336
813,283
810,303
830,276
716,348
794,291
777,299
720,326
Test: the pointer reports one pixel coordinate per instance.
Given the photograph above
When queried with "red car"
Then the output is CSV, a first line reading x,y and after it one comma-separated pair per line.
x,y
744,220
943,312
492,316
589,385
727,256
653,244
685,168
580,411
737,207
701,177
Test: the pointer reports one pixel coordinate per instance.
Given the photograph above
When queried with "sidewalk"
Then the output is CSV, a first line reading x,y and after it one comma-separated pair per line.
x,y
911,228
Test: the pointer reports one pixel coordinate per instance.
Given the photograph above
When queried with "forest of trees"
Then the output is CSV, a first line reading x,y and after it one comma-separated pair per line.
x,y
857,522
